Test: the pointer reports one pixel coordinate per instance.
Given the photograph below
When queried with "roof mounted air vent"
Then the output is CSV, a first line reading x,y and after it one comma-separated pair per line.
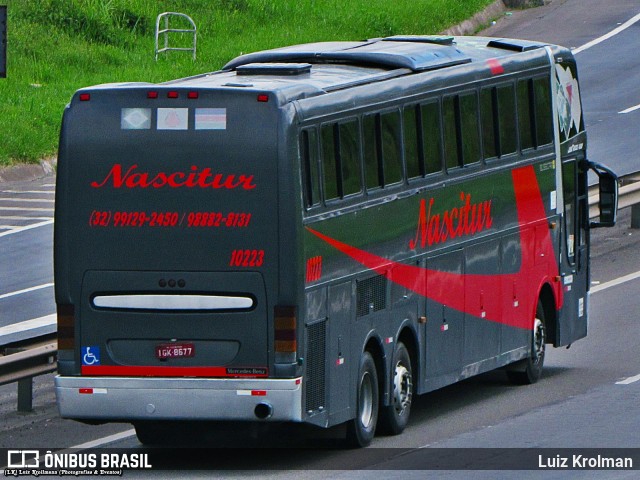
x,y
437,39
273,69
514,45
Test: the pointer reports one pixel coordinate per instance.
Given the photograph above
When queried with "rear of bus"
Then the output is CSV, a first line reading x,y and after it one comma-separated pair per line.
x,y
166,256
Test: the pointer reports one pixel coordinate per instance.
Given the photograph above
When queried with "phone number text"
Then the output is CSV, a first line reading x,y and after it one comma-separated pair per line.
x,y
104,218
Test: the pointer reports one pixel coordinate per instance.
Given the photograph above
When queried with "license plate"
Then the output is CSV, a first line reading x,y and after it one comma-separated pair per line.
x,y
175,350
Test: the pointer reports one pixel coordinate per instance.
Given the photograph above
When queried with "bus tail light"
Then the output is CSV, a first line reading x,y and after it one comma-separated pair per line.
x,y
285,321
66,327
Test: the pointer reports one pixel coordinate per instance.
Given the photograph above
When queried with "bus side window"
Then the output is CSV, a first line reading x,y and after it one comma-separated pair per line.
x,y
449,120
329,162
508,138
544,116
468,135
309,148
431,136
349,158
391,147
489,123
413,155
371,148
525,114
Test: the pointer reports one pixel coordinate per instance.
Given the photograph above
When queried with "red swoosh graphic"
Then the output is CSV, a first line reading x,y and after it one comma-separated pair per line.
x,y
449,288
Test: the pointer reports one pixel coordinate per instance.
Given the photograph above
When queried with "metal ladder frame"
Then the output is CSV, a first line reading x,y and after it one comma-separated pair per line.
x,y
166,31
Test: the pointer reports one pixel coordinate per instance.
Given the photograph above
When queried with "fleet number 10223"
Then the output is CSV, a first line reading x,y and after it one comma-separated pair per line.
x,y
247,258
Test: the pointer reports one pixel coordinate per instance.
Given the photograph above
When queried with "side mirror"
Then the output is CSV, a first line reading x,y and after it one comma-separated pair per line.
x,y
608,189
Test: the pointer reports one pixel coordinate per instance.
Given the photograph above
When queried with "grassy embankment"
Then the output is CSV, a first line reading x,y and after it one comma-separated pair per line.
x,y
58,46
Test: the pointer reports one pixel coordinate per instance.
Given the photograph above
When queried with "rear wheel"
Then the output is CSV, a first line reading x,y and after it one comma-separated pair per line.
x,y
150,433
395,416
361,430
529,371
167,433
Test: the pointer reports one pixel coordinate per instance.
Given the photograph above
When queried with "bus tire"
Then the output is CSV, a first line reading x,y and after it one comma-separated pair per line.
x,y
361,430
394,417
149,433
529,370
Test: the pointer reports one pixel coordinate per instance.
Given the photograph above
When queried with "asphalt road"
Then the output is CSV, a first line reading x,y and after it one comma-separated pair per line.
x,y
578,403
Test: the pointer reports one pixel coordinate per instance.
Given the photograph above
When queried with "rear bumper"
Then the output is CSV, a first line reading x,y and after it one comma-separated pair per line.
x,y
130,399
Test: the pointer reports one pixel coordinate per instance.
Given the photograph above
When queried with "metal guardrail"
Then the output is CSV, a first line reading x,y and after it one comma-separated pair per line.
x,y
23,362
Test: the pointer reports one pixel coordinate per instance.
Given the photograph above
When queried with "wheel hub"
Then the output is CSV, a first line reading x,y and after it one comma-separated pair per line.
x,y
402,388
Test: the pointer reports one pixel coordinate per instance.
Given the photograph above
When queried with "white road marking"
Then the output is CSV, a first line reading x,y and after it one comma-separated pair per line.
x,y
32,200
104,440
27,209
26,290
631,109
607,36
629,380
48,192
28,227
27,325
12,217
614,282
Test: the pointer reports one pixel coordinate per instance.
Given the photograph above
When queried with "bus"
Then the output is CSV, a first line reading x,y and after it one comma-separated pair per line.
x,y
319,233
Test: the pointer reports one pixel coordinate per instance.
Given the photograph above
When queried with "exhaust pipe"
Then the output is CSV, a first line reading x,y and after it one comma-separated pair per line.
x,y
263,411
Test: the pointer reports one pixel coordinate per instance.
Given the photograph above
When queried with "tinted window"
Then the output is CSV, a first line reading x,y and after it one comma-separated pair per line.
x,y
469,136
507,119
524,114
391,147
309,147
371,157
450,132
432,143
329,163
350,157
412,150
488,104
544,119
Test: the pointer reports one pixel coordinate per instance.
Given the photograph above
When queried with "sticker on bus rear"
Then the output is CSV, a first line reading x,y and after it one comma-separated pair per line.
x,y
91,355
135,119
211,118
173,118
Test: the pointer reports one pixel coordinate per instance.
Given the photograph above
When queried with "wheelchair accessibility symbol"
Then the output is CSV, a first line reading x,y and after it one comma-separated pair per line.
x,y
91,356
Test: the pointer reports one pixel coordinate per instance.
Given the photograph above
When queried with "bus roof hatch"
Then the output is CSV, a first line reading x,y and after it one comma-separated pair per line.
x,y
415,53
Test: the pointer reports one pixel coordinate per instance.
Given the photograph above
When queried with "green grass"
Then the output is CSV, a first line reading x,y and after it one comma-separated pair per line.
x,y
58,46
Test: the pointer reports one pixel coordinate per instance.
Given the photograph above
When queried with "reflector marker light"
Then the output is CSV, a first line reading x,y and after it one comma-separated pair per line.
x,y
263,97
172,94
285,335
66,326
252,393
152,94
84,97
91,391
192,95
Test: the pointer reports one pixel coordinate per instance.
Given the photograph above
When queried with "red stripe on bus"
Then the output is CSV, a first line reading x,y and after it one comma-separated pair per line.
x,y
144,371
449,288
495,66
